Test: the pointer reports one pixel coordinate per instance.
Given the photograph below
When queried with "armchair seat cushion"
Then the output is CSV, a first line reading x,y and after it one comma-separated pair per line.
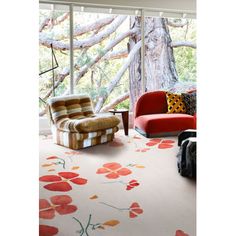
x,y
162,123
90,124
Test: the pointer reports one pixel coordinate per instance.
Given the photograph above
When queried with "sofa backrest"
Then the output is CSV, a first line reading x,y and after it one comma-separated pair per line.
x,y
151,103
70,106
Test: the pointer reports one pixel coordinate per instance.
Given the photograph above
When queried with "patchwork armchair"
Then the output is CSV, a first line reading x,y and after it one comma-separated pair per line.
x,y
74,124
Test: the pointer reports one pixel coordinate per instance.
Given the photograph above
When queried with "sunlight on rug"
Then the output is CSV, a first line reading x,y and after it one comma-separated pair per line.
x,y
128,187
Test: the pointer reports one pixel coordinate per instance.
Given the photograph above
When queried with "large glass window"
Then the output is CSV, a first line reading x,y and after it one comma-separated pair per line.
x,y
107,54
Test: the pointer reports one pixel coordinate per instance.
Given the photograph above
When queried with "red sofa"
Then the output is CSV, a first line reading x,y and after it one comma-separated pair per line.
x,y
151,119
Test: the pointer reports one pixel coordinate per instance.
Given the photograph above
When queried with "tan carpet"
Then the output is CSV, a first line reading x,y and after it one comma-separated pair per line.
x,y
130,187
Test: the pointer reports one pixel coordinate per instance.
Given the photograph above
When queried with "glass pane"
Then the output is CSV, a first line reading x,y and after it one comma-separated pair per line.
x,y
170,54
101,51
53,29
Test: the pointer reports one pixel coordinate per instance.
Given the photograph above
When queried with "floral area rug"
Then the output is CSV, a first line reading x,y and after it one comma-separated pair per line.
x,y
128,187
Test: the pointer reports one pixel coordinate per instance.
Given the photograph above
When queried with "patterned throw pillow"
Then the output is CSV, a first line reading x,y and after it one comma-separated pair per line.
x,y
175,103
190,101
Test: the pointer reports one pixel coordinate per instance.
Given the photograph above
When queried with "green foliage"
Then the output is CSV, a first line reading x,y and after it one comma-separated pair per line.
x,y
185,57
186,68
124,104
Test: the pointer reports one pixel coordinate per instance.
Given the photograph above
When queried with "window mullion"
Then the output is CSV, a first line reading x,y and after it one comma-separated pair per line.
x,y
71,50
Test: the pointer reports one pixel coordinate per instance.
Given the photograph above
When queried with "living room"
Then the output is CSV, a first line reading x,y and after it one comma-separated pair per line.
x,y
119,120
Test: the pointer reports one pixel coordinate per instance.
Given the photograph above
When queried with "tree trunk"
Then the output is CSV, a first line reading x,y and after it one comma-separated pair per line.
x,y
160,68
135,66
160,72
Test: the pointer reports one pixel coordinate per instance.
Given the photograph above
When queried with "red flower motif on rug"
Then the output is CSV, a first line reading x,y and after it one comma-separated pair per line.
x,y
161,144
135,210
133,183
113,170
180,233
61,182
60,204
52,158
46,230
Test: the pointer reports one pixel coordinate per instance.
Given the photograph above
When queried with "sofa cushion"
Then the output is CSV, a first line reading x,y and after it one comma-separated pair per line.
x,y
71,106
190,100
175,103
163,123
91,124
151,103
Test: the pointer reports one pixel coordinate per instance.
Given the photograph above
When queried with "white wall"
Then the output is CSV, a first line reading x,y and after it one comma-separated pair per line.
x,y
188,5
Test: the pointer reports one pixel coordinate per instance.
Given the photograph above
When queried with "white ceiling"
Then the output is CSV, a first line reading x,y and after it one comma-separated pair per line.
x,y
179,5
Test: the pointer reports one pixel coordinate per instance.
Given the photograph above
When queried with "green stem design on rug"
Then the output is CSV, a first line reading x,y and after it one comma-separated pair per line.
x,y
117,208
113,182
61,162
89,225
84,230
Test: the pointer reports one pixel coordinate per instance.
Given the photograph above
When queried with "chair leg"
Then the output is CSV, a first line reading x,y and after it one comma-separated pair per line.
x,y
125,119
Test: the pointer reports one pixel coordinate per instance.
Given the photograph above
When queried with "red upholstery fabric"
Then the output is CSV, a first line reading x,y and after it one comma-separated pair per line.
x,y
151,103
162,123
195,120
150,115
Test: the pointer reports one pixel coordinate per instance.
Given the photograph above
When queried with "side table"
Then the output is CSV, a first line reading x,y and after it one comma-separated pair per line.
x,y
125,118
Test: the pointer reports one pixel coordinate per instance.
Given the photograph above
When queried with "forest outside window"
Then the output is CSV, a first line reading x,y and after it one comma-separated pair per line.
x,y
107,54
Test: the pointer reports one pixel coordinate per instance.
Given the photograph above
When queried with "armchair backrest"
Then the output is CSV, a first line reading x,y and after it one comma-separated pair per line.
x,y
70,106
151,103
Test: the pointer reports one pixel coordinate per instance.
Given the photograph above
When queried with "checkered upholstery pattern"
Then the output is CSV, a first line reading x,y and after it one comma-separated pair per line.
x,y
74,124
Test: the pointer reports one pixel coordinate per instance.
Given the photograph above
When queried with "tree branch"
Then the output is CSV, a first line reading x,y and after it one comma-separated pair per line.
x,y
115,102
116,55
109,46
59,79
79,30
84,43
44,24
61,18
66,71
48,22
183,44
118,76
97,58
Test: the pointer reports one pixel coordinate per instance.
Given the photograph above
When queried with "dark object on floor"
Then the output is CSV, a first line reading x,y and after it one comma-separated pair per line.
x,y
187,155
186,134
